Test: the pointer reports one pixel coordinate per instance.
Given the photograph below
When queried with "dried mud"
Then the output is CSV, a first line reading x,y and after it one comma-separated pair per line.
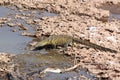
x,y
89,19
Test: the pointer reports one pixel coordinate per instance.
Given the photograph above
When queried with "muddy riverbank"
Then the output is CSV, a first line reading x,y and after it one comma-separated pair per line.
x,y
98,21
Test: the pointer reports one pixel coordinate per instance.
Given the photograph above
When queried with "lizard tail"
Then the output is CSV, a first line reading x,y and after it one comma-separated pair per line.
x,y
93,45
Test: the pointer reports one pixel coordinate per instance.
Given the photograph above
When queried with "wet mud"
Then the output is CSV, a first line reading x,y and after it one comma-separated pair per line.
x,y
33,63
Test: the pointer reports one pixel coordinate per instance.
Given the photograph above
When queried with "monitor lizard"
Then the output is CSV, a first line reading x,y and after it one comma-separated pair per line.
x,y
64,40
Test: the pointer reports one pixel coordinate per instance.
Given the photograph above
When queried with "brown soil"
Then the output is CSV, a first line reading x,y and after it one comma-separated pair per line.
x,y
83,19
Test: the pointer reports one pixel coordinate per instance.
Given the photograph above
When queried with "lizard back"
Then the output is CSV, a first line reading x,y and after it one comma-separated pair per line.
x,y
60,40
57,40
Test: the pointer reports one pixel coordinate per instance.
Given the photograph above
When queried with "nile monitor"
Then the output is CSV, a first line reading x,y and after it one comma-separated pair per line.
x,y
64,40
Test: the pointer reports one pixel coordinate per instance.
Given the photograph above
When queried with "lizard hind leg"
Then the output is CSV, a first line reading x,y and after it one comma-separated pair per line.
x,y
62,48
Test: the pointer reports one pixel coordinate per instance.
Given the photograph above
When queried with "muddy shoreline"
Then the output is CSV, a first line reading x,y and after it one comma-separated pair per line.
x,y
86,19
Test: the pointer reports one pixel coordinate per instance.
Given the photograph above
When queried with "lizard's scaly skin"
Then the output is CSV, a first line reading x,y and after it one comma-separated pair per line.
x,y
64,40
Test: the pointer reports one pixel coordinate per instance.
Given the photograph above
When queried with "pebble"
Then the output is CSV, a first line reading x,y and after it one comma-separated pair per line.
x,y
11,24
112,39
92,29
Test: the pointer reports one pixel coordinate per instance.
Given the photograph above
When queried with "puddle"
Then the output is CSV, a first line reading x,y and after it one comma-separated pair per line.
x,y
86,74
49,14
50,59
113,8
32,63
4,11
13,42
112,15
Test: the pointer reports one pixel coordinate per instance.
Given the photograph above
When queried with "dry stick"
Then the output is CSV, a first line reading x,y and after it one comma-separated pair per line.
x,y
59,70
71,68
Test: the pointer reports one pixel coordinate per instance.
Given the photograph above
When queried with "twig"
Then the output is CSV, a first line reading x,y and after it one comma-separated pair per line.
x,y
71,68
57,70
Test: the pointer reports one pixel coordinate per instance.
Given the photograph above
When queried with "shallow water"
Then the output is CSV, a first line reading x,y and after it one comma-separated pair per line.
x,y
113,9
13,42
51,59
112,15
34,62
4,11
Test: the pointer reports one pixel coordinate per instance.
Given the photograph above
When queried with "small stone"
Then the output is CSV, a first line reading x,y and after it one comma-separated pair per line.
x,y
13,30
92,29
112,39
28,34
118,30
11,25
52,70
21,26
32,43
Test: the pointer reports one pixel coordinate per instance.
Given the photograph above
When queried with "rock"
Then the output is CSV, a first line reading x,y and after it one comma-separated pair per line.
x,y
112,39
28,34
11,24
21,26
92,29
